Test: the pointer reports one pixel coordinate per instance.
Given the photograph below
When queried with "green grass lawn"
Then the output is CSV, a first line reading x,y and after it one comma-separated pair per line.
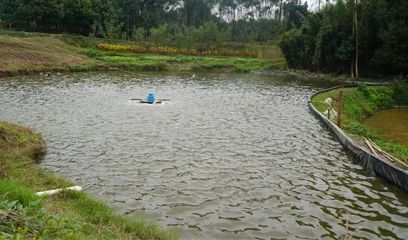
x,y
187,63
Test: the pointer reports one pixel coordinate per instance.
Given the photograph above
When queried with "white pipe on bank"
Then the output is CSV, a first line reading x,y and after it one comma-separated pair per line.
x,y
50,192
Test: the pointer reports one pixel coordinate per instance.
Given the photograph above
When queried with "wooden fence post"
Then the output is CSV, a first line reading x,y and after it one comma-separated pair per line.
x,y
340,113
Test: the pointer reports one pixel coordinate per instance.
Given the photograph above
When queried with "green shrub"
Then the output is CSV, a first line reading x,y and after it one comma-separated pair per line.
x,y
360,130
18,221
381,97
22,215
401,93
12,191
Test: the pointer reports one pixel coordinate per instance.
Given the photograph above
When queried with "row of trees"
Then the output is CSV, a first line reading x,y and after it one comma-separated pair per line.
x,y
210,34
97,17
348,36
243,20
356,37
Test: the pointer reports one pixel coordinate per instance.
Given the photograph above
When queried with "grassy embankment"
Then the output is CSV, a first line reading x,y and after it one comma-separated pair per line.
x,y
67,215
25,53
358,103
32,53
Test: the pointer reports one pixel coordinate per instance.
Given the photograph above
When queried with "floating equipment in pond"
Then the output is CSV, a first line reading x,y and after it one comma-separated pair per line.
x,y
150,99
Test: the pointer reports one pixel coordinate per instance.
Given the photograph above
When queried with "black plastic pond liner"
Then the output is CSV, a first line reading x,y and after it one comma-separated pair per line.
x,y
380,167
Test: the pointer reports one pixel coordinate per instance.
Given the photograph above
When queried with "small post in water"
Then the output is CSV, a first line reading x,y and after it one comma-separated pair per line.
x,y
340,109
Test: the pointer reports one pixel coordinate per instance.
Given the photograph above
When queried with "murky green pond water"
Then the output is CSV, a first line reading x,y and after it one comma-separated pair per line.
x,y
392,124
231,157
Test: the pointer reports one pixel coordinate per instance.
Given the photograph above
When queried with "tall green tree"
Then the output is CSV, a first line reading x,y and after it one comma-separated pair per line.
x,y
78,16
358,37
392,54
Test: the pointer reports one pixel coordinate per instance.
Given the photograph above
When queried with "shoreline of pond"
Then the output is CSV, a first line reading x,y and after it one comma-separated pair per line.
x,y
65,214
353,134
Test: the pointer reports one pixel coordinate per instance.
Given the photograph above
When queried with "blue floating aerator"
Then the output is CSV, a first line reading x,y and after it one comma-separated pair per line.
x,y
150,97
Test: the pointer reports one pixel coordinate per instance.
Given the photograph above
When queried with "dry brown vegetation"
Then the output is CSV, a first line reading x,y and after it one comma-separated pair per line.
x,y
35,54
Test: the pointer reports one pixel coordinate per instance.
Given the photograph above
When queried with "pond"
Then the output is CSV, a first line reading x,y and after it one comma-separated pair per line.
x,y
392,124
230,157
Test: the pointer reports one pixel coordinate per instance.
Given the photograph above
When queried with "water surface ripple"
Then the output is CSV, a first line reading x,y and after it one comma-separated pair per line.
x,y
231,157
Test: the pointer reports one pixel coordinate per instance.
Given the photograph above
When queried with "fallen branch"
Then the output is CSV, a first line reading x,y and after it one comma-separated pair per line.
x,y
386,154
370,146
389,156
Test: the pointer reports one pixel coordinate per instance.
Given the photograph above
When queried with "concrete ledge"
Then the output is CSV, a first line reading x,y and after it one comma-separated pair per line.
x,y
381,167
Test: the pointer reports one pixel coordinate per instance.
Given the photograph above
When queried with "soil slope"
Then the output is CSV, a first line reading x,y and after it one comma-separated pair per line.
x,y
35,54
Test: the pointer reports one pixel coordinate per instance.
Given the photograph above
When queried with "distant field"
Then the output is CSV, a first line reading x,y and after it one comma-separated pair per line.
x,y
26,53
131,61
37,53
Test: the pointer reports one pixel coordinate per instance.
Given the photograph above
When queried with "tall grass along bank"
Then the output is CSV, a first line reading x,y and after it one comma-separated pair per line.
x,y
67,215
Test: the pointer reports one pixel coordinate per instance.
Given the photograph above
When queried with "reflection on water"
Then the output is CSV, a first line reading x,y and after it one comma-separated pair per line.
x,y
232,156
391,123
